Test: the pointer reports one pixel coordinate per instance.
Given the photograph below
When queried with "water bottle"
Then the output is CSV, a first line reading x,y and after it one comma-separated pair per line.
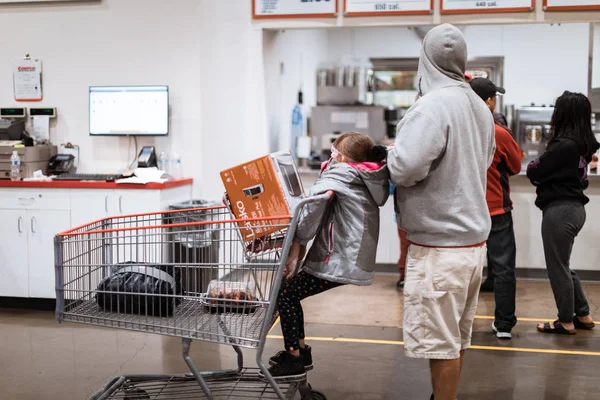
x,y
176,170
163,162
15,167
297,125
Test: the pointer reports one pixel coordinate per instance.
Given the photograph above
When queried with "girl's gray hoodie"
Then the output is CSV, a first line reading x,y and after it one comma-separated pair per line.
x,y
346,228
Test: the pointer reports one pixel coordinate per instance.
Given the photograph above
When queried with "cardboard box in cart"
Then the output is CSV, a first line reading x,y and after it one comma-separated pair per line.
x,y
266,187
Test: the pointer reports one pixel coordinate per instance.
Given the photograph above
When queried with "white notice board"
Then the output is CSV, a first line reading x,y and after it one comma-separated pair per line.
x,y
366,8
571,5
486,6
262,9
27,80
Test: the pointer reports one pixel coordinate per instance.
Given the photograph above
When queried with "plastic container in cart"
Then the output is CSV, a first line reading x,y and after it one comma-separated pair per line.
x,y
230,296
194,245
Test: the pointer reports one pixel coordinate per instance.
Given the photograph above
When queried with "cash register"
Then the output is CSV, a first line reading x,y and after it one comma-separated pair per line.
x,y
12,133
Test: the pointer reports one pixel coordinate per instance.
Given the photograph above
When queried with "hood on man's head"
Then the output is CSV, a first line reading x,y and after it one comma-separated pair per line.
x,y
443,58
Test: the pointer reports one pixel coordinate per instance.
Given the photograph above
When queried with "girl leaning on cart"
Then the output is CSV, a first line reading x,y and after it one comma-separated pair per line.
x,y
345,231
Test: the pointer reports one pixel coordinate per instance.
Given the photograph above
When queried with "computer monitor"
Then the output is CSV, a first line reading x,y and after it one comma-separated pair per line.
x,y
129,110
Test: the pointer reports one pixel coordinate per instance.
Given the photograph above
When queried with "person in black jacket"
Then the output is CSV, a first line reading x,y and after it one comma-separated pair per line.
x,y
560,176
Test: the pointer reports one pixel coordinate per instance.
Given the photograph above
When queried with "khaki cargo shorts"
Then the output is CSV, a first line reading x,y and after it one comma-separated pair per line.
x,y
440,300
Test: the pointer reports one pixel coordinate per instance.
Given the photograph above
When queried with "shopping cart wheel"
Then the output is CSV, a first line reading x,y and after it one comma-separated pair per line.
x,y
313,395
133,393
316,395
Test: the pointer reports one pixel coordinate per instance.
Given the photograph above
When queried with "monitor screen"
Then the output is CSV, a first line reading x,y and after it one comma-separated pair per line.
x,y
129,110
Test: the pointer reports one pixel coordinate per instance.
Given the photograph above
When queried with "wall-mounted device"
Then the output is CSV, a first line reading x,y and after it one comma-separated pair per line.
x,y
61,164
129,110
38,112
147,157
17,112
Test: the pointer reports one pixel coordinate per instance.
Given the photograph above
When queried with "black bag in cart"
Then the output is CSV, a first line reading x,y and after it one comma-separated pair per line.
x,y
141,288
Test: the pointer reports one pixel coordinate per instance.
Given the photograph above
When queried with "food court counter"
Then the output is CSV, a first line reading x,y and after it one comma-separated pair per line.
x,y
527,223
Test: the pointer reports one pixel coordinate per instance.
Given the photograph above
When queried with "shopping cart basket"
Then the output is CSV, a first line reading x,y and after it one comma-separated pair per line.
x,y
121,273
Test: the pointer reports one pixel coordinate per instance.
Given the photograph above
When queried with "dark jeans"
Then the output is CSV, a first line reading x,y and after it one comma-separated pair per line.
x,y
501,258
561,222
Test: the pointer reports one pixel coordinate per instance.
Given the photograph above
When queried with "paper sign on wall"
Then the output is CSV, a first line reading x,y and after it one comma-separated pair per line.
x,y
293,8
487,6
360,8
27,80
571,5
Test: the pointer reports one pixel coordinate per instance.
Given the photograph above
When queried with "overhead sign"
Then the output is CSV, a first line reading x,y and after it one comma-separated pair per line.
x,y
262,9
366,8
487,6
571,5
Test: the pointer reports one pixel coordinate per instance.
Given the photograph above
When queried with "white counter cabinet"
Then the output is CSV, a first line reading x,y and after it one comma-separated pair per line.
x,y
32,214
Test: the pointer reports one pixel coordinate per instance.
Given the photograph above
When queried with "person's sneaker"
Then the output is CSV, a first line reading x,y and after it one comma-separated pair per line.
x,y
306,354
400,283
487,286
501,334
289,369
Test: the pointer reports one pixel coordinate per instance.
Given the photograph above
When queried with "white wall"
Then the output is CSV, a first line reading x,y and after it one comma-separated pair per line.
x,y
206,51
537,72
291,59
596,57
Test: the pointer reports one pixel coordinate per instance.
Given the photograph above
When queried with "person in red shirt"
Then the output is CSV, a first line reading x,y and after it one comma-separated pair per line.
x,y
501,246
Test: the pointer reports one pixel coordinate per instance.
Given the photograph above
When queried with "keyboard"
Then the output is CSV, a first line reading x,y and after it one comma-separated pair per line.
x,y
87,177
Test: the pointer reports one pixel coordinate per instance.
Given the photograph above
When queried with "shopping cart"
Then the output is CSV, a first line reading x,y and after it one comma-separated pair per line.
x,y
126,272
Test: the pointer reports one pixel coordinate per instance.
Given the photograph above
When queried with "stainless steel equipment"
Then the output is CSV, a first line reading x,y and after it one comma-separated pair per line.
x,y
326,120
12,129
32,159
532,130
392,117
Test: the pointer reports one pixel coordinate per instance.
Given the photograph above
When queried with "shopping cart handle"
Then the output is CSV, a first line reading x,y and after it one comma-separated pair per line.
x,y
323,196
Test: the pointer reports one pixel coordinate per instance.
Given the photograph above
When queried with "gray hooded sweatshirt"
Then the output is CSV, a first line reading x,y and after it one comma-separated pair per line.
x,y
444,146
346,228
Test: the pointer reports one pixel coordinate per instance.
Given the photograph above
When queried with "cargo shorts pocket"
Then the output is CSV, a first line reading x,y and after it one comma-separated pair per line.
x,y
452,269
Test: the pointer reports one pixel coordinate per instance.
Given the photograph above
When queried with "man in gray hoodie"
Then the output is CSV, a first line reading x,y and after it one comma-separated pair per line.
x,y
439,162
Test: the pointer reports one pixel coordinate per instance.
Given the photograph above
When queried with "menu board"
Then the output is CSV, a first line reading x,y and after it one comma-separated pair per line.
x,y
487,6
365,8
262,9
571,5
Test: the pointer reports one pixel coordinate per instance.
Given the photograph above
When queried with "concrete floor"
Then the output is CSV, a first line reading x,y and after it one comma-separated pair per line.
x,y
356,336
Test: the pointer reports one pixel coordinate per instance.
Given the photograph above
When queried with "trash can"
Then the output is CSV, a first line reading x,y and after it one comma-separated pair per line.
x,y
194,248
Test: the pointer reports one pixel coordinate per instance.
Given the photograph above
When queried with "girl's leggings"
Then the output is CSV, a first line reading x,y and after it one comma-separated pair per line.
x,y
298,288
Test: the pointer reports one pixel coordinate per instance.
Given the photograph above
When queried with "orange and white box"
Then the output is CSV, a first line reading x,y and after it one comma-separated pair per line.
x,y
268,186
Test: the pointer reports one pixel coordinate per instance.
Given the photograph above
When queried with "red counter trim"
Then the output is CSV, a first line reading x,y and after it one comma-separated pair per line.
x,y
92,184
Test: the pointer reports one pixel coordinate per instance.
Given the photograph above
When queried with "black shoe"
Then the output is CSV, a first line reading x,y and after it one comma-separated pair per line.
x,y
306,354
400,283
432,398
487,286
289,369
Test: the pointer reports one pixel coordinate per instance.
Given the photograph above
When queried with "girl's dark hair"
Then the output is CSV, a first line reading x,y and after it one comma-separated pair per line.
x,y
572,118
360,148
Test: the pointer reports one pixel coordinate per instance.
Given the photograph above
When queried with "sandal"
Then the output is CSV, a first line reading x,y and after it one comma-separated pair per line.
x,y
558,329
586,326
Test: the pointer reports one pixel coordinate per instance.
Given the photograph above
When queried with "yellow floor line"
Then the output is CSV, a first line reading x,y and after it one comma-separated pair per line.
x,y
274,324
490,317
488,348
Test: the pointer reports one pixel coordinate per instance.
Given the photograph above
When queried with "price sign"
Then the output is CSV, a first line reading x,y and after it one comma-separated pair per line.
x,y
365,8
27,80
263,9
571,5
486,6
